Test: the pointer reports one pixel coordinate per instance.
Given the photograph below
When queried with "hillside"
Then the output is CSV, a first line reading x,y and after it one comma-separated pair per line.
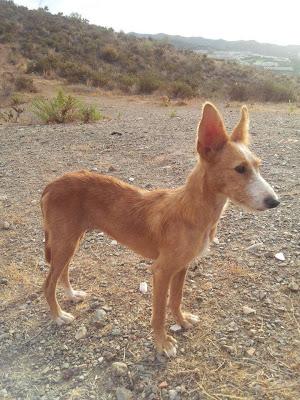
x,y
71,48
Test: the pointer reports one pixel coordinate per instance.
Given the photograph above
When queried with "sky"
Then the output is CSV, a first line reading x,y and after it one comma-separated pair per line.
x,y
268,21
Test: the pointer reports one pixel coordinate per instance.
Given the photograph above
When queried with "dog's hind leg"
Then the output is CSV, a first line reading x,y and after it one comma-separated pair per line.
x,y
184,319
62,251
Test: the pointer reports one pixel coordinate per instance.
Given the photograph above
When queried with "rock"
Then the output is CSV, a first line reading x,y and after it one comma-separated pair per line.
x,y
173,395
108,355
262,295
248,310
163,385
3,281
254,247
123,394
3,393
175,328
119,368
5,225
114,242
294,287
232,327
280,256
100,360
100,316
81,332
3,198
111,169
250,351
115,331
131,179
143,287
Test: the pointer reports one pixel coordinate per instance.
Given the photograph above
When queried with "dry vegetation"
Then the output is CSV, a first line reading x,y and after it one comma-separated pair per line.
x,y
73,49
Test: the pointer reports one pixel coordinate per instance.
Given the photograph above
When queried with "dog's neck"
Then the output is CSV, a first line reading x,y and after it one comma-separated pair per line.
x,y
201,202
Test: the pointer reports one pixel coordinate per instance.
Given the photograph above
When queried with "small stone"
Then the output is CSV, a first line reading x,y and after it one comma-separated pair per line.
x,y
100,316
216,240
254,247
3,393
143,287
81,332
3,198
108,355
163,385
100,360
65,365
119,368
131,179
111,169
248,310
280,256
175,328
123,394
115,332
114,242
106,307
232,327
173,395
250,351
5,225
294,287
262,295
3,281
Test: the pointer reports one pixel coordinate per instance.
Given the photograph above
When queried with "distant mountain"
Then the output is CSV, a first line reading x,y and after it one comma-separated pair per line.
x,y
200,43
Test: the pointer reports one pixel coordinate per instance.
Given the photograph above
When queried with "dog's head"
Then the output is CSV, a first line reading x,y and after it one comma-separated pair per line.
x,y
231,167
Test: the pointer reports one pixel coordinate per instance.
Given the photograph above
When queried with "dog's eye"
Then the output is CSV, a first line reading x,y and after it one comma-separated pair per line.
x,y
241,169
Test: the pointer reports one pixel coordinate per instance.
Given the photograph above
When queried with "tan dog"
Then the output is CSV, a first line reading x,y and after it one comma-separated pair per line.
x,y
170,226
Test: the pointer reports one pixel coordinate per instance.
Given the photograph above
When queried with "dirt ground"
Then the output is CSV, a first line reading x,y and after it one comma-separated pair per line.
x,y
234,352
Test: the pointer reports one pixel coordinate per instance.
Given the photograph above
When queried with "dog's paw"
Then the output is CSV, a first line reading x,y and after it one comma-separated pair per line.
x,y
64,318
188,320
76,295
167,346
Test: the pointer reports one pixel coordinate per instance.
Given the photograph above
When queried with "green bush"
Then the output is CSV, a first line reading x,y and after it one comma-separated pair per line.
x,y
239,92
109,53
63,108
148,83
182,90
17,100
25,84
89,113
273,91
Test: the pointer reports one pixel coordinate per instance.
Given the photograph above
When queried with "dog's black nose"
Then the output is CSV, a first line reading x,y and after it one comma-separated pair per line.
x,y
271,202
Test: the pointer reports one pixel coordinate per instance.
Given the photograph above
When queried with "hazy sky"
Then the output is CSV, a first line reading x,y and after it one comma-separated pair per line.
x,y
273,21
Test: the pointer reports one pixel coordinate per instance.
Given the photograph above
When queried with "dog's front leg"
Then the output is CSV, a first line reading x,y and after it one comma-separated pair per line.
x,y
184,319
161,283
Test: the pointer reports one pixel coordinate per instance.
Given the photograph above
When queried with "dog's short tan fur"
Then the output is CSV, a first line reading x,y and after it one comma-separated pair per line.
x,y
170,226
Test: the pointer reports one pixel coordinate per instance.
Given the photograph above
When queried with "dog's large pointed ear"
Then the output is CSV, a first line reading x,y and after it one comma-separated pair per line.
x,y
212,134
241,131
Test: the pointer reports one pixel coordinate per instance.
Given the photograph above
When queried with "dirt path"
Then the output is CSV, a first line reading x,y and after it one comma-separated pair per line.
x,y
229,355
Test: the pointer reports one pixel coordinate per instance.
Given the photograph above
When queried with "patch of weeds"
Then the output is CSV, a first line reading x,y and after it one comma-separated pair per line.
x,y
89,113
173,114
64,108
